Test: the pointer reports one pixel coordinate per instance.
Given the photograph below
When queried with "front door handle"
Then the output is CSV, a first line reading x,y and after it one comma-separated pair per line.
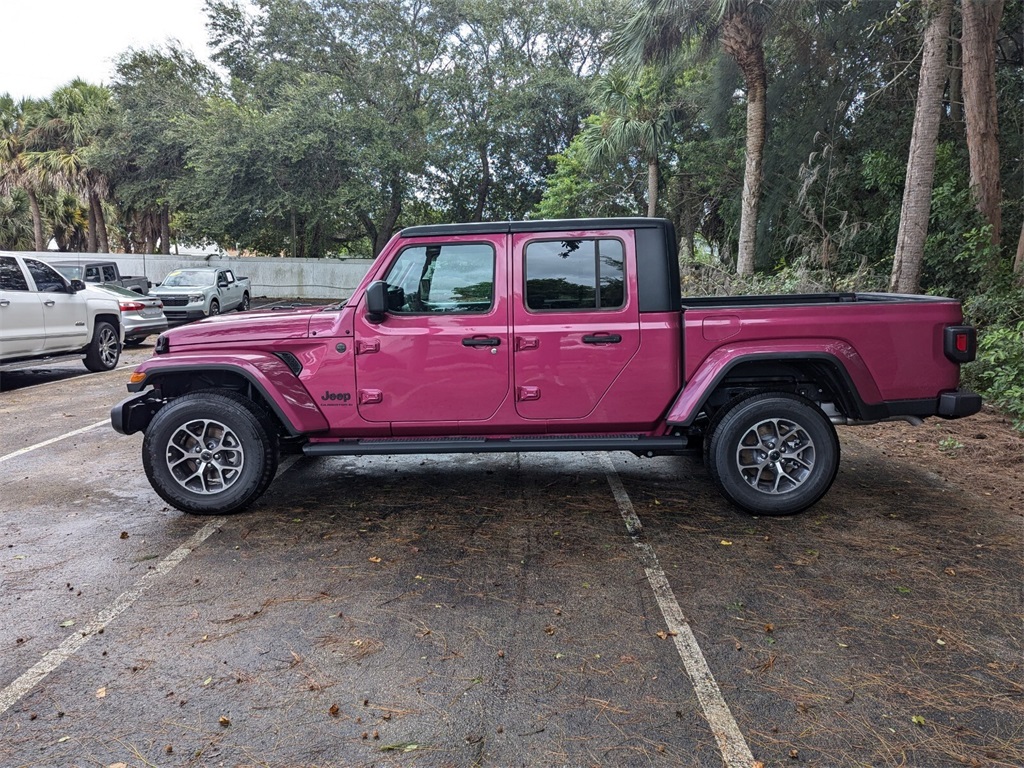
x,y
49,303
602,338
481,341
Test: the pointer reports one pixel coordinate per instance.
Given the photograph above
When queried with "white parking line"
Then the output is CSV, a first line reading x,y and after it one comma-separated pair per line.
x,y
53,659
53,440
730,740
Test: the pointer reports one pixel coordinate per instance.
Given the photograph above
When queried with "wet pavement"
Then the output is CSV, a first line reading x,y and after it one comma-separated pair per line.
x,y
489,610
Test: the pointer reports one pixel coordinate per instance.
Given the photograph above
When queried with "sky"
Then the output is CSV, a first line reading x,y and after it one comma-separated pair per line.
x,y
48,43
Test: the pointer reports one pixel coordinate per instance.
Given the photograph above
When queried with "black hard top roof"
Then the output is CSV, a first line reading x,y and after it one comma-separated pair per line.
x,y
540,225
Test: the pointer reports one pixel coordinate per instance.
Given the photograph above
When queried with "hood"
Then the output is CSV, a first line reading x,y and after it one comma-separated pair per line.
x,y
178,290
265,325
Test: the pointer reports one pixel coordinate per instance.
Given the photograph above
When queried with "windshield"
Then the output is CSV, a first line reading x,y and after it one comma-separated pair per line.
x,y
70,271
189,278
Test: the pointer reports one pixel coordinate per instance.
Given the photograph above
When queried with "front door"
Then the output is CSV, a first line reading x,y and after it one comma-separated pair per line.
x,y
64,314
441,354
576,325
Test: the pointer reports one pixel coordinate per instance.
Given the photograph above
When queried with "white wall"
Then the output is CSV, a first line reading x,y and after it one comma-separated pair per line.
x,y
276,278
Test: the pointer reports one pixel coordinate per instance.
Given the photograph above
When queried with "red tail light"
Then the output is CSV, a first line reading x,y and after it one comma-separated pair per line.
x,y
131,306
960,343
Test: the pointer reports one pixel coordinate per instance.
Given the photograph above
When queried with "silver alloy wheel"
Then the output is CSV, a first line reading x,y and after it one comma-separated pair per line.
x,y
775,456
205,457
107,347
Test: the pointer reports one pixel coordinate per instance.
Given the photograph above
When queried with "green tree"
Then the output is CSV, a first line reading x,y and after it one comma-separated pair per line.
x,y
16,174
57,145
656,32
636,118
917,191
160,95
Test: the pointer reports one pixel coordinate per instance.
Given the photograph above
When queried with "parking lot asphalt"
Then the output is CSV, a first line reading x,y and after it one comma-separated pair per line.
x,y
498,610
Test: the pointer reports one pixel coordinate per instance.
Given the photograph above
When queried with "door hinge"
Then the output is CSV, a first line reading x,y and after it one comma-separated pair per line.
x,y
370,396
527,393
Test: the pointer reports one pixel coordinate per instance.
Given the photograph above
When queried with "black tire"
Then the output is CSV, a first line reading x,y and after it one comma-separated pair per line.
x,y
244,306
214,307
228,473
773,453
134,342
104,350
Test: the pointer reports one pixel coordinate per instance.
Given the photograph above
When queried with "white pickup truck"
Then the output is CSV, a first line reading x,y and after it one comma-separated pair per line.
x,y
193,293
44,315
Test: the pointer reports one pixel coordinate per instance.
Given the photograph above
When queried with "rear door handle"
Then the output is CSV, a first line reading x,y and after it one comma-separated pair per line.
x,y
49,303
602,338
479,341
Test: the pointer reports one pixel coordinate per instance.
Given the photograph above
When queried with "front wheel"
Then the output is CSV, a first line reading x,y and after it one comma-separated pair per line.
x,y
773,454
210,453
214,307
105,348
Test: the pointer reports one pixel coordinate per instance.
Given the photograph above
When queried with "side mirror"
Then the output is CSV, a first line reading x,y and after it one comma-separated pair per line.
x,y
77,285
376,301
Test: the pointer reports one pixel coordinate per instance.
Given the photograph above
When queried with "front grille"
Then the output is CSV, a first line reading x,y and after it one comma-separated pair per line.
x,y
173,301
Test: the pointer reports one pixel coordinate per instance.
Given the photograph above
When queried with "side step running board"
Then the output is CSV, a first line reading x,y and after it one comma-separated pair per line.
x,y
394,446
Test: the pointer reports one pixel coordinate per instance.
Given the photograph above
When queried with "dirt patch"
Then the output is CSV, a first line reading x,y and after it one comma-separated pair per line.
x,y
982,454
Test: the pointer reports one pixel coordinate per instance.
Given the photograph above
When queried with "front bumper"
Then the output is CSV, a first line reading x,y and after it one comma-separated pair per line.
x,y
134,413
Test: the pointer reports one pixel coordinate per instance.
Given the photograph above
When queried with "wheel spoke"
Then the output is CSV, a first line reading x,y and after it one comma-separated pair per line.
x,y
205,456
775,456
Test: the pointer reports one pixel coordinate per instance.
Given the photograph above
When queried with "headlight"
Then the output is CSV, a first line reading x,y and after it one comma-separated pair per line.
x,y
195,298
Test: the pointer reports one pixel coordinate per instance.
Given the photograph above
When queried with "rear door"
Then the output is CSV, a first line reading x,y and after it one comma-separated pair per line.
x,y
22,331
576,323
442,352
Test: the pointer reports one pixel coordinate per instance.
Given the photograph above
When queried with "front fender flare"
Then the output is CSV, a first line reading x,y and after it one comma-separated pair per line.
x,y
283,392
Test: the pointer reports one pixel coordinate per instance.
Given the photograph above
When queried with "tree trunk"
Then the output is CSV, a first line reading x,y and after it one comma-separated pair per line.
x,y
387,226
652,188
37,219
917,189
90,238
956,89
96,215
1018,262
165,229
981,27
484,187
743,40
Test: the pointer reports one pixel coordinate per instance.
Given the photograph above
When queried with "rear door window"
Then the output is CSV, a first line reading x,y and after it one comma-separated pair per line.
x,y
11,276
575,275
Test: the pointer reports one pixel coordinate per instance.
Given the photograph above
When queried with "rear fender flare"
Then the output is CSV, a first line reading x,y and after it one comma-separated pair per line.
x,y
842,357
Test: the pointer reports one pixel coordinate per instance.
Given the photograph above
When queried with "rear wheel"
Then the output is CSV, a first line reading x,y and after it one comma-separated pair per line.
x,y
210,452
104,349
773,454
244,306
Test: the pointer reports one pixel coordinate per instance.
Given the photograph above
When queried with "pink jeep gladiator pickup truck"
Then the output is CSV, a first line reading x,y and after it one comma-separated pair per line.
x,y
543,336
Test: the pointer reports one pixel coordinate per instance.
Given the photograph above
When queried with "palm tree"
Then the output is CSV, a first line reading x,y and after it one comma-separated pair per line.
x,y
635,120
658,30
15,172
62,131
